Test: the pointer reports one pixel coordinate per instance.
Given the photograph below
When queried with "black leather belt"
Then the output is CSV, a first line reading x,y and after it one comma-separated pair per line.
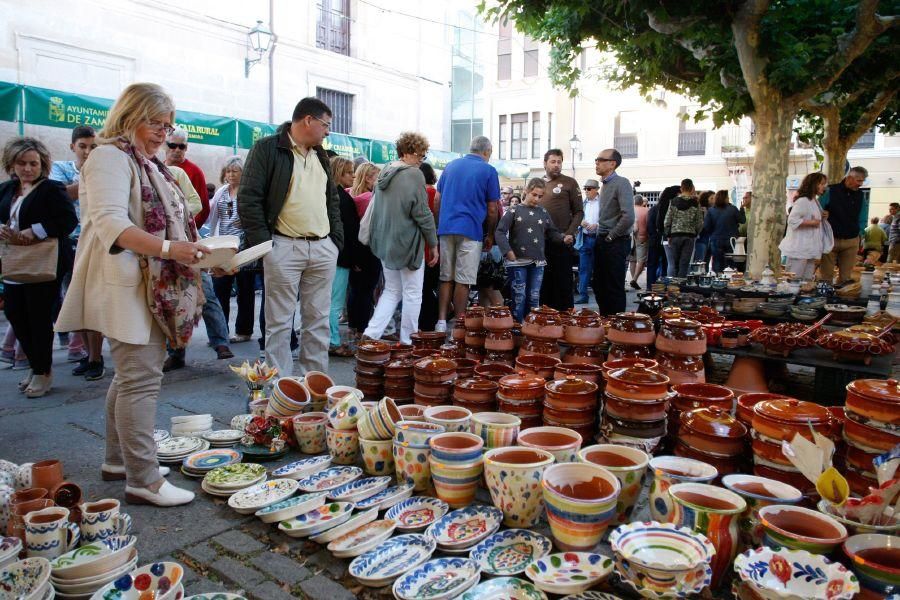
x,y
308,238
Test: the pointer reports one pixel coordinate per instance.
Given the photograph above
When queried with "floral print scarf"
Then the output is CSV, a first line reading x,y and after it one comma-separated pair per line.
x,y
174,290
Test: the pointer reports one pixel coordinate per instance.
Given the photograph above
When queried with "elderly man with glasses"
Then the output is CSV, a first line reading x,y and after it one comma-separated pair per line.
x,y
176,148
613,233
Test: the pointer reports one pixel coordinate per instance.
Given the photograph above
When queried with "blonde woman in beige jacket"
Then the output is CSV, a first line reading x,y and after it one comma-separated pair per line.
x,y
134,282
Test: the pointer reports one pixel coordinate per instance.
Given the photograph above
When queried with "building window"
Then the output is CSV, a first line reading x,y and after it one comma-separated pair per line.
x,y
333,26
549,130
519,136
502,136
651,198
504,51
625,139
865,141
531,57
341,105
535,135
691,141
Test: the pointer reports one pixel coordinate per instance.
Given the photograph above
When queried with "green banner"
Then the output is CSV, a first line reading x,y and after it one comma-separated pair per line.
x,y
207,129
383,152
347,146
10,101
58,109
439,159
250,131
511,170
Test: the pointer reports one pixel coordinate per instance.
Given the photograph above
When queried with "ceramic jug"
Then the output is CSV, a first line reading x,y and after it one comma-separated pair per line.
x,y
737,245
102,519
49,534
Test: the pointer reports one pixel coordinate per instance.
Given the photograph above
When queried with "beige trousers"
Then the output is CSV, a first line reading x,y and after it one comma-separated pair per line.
x,y
844,253
131,408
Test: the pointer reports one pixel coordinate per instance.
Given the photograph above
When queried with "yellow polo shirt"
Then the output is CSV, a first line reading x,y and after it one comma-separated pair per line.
x,y
305,210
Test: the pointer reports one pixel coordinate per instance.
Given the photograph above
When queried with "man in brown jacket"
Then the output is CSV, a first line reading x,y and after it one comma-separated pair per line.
x,y
562,199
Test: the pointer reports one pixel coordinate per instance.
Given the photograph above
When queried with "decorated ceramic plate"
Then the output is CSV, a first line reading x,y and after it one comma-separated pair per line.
x,y
510,552
504,588
438,579
9,548
779,572
159,435
291,507
362,539
465,527
359,489
82,585
329,479
258,452
235,476
22,578
387,561
240,421
150,581
215,596
693,584
303,468
224,435
261,495
387,498
178,445
592,595
417,513
317,520
210,459
356,521
569,572
95,558
222,493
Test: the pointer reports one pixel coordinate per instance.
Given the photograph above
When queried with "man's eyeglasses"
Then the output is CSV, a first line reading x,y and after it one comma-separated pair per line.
x,y
179,146
327,124
600,159
160,126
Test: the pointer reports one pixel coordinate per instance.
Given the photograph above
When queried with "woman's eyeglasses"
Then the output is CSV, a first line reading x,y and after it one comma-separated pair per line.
x,y
160,126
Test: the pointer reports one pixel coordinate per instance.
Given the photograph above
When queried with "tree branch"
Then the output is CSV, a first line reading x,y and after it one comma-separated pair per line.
x,y
745,28
669,26
868,118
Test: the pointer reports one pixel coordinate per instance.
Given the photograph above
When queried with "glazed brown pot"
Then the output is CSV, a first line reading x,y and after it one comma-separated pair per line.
x,y
537,364
723,464
427,339
584,355
681,336
459,331
452,350
746,402
583,327
542,347
477,389
859,459
498,318
476,407
588,372
420,353
474,318
475,353
689,396
780,419
623,408
527,409
373,351
569,418
443,389
621,363
543,323
371,391
398,390
399,350
636,383
798,480
434,369
769,452
465,367
475,338
499,341
493,371
571,393
367,367
870,437
399,368
522,386
875,399
619,351
712,430
506,357
370,380
681,369
631,328
46,474
638,429
426,400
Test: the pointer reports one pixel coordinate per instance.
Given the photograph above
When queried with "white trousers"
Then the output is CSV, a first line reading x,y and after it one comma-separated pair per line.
x,y
405,285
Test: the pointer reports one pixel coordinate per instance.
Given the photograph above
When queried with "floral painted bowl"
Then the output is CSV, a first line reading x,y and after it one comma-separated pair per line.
x,y
794,575
463,528
359,489
388,497
629,465
9,550
354,522
329,479
438,579
157,581
504,588
417,513
317,520
510,552
891,525
26,579
291,507
362,539
380,566
251,499
303,468
95,558
569,572
875,558
581,503
799,528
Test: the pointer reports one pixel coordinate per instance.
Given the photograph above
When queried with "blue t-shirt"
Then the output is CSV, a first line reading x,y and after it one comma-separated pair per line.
x,y
466,187
67,173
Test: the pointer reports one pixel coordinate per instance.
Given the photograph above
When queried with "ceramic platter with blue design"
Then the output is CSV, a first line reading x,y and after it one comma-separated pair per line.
x,y
329,479
510,552
203,462
504,588
303,468
438,579
382,565
459,530
417,513
388,497
291,507
359,489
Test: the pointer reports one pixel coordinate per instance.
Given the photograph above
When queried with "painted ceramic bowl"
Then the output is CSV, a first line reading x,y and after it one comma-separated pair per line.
x,y
291,507
160,581
794,575
415,433
510,552
504,588
569,572
411,465
661,556
329,479
299,469
496,429
390,559
417,513
890,525
359,489
95,558
451,418
378,456
309,430
875,558
456,483
513,477
343,444
758,492
562,442
457,448
581,503
26,579
628,465
387,497
362,539
799,528
251,499
437,579
355,521
668,471
317,520
463,528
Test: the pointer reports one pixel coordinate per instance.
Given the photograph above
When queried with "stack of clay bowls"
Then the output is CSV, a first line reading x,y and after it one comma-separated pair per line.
x,y
453,349
522,395
572,403
412,452
476,334
583,332
371,358
635,407
477,394
631,335
427,340
615,364
539,365
289,397
542,328
680,346
588,372
713,436
499,341
493,371
872,427
398,379
434,378
779,420
691,396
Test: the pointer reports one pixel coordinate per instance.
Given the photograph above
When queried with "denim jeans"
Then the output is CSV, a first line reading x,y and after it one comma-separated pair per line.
x,y
586,264
338,300
526,289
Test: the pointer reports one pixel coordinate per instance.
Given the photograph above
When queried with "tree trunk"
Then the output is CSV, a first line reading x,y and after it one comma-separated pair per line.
x,y
774,121
834,145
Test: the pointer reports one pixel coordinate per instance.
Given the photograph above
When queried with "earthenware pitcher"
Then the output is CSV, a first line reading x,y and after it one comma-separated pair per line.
x,y
49,534
102,519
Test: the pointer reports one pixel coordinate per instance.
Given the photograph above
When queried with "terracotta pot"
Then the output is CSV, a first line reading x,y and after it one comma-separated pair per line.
x,y
420,353
781,419
493,371
477,389
583,327
870,437
434,369
543,323
399,350
581,503
476,407
465,367
522,386
456,448
498,340
513,477
724,465
681,369
860,484
571,393
498,318
668,471
537,364
623,408
620,351
798,528
524,409
427,339
746,402
689,396
628,465
614,364
459,331
452,350
475,338
587,372
769,452
367,367
428,400
542,347
66,494
631,328
747,375
46,474
373,351
859,459
875,399
681,336
584,355
442,390
563,443
503,357
473,318
399,368
795,479
363,379
475,353
712,430
637,383
412,412
758,492
568,417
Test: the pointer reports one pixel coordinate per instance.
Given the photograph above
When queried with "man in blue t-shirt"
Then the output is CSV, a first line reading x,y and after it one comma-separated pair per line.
x,y
467,193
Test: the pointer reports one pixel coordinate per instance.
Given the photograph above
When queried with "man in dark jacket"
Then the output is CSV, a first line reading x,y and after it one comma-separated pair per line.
x,y
662,207
848,210
287,196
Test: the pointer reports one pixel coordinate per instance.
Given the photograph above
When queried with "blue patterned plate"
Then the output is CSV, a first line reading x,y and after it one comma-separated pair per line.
x,y
329,479
287,509
438,579
510,552
380,566
417,513
388,497
465,527
303,468
504,588
317,520
359,489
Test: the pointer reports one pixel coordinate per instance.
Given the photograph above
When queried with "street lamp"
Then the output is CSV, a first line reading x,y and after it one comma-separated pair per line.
x,y
258,41
575,145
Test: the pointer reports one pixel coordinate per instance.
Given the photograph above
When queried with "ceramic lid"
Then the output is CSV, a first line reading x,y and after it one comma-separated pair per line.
x,y
479,384
428,335
639,376
399,363
436,364
522,381
571,385
713,421
789,410
497,312
682,323
374,346
633,316
876,389
474,311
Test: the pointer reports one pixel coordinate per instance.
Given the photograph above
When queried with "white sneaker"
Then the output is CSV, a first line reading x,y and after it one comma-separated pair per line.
x,y
117,472
441,326
168,495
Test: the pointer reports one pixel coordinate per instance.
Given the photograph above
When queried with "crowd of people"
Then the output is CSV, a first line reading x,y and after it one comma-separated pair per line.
x,y
352,243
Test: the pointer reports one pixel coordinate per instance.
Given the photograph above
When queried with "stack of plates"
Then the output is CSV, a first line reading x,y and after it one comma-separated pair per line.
x,y
176,449
191,425
223,438
201,463
159,435
83,571
227,480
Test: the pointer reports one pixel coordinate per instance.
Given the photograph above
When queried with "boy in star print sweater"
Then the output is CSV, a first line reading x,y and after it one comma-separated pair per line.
x,y
521,236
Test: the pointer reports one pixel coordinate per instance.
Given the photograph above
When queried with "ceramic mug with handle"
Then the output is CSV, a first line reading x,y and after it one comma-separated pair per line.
x,y
49,534
102,519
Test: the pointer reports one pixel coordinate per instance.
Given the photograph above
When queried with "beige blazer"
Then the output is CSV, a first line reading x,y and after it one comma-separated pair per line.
x,y
107,292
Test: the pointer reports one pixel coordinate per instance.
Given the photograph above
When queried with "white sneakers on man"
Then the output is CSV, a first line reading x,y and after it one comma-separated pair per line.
x,y
167,495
